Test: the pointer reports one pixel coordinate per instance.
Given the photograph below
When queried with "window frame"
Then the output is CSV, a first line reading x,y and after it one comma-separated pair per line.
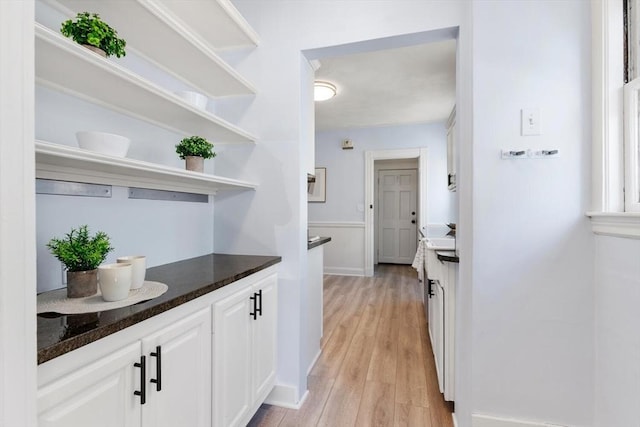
x,y
608,214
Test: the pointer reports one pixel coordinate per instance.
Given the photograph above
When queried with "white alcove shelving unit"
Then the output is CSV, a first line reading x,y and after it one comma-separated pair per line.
x,y
176,39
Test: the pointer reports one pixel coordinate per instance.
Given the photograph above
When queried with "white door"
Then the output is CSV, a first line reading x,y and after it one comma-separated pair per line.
x,y
100,394
232,360
397,216
264,337
179,373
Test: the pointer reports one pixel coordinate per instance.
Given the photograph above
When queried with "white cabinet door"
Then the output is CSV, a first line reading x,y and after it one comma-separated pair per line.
x,y
264,331
438,332
100,394
232,364
179,373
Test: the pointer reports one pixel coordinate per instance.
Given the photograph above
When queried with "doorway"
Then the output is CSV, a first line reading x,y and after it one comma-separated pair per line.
x,y
419,155
395,217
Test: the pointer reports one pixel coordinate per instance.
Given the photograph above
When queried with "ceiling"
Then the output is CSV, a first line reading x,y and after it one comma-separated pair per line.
x,y
413,84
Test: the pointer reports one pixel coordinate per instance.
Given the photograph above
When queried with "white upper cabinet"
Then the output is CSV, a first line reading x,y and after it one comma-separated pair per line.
x,y
179,37
71,68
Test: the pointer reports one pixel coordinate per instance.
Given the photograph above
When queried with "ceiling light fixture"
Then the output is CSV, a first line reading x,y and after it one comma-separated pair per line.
x,y
323,91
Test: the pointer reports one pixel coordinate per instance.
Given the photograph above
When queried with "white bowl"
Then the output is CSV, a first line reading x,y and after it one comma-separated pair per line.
x,y
103,143
196,99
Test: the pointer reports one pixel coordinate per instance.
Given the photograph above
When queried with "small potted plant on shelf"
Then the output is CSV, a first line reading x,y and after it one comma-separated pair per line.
x,y
81,255
194,150
95,34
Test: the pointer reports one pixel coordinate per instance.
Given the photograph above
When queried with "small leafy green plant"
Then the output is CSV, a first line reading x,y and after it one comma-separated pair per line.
x,y
89,29
195,146
80,252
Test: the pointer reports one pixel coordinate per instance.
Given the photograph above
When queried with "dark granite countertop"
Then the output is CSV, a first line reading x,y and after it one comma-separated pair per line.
x,y
448,256
321,241
187,280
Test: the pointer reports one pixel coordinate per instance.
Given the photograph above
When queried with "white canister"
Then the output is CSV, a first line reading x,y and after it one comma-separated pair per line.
x,y
138,269
114,281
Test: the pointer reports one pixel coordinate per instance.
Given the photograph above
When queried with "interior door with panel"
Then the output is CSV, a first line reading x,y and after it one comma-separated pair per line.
x,y
397,216
179,373
232,364
264,337
100,394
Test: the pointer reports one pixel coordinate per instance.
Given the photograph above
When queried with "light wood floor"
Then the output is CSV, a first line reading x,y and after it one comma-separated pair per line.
x,y
376,367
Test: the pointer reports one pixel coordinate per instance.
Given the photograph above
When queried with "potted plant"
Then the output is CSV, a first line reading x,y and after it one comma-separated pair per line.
x,y
92,32
81,255
194,150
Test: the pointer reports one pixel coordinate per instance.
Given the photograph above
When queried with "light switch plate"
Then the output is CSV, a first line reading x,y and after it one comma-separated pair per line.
x,y
530,121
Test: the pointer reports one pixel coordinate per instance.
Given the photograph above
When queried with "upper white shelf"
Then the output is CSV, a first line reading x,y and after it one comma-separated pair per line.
x,y
60,162
179,37
69,67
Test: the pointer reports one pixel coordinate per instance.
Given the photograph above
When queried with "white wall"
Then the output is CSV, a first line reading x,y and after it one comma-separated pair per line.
x,y
275,219
532,279
345,168
617,280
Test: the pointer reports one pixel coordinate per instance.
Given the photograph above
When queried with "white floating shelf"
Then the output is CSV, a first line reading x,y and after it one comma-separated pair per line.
x,y
60,162
69,67
178,37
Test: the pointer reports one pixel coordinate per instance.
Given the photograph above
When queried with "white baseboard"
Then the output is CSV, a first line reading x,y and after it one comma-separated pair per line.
x,y
490,421
455,420
343,271
286,396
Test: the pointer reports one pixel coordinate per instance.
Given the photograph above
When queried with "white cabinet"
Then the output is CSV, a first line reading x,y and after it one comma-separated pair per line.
x,y
245,351
451,150
179,374
442,320
98,394
315,270
163,379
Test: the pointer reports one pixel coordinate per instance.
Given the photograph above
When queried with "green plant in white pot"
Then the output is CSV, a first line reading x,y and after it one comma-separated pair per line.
x,y
194,150
81,255
92,32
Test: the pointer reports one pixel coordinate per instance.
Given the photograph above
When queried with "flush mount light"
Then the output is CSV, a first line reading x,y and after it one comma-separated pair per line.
x,y
323,91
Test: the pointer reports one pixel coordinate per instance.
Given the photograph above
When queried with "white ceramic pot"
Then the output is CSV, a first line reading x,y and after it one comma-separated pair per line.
x,y
138,269
114,281
196,99
103,143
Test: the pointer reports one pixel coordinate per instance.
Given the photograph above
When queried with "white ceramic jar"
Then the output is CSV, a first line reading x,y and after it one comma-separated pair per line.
x,y
114,281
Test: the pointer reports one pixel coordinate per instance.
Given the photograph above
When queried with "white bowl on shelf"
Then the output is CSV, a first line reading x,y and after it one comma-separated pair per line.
x,y
103,143
196,99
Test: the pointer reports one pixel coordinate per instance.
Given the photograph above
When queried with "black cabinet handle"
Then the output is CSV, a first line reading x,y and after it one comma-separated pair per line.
x,y
158,379
259,310
429,288
143,379
255,309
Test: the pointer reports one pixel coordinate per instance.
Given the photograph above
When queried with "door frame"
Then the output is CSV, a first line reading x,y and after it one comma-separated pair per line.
x,y
369,196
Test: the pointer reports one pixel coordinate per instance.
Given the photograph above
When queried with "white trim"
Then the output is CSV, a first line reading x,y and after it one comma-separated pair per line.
x,y
455,420
286,396
344,271
335,224
631,199
17,216
618,224
607,100
369,174
490,421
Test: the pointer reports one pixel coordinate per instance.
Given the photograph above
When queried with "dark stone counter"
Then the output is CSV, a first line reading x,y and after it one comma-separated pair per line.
x,y
321,241
187,280
447,256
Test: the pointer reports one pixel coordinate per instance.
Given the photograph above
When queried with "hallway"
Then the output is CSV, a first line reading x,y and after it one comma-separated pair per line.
x,y
376,367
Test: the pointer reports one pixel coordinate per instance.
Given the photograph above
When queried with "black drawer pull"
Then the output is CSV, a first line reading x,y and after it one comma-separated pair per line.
x,y
259,310
143,379
158,379
254,314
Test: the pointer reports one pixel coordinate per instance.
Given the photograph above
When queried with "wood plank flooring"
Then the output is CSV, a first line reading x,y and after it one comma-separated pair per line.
x,y
376,366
